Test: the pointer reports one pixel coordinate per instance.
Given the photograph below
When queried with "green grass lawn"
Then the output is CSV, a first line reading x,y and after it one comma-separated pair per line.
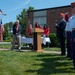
x,y
9,46
5,45
52,49
34,63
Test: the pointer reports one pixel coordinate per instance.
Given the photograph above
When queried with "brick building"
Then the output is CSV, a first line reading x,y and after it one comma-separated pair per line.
x,y
46,16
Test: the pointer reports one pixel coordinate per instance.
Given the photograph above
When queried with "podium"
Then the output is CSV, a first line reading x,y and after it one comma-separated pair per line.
x,y
37,45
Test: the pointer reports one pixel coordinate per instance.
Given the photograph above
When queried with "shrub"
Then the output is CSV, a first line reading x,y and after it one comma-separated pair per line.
x,y
54,40
8,39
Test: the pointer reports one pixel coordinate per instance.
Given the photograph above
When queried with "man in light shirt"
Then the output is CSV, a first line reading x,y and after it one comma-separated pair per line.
x,y
72,23
68,30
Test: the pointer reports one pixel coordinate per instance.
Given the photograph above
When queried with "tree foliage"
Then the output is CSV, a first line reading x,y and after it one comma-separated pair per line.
x,y
22,17
30,8
8,28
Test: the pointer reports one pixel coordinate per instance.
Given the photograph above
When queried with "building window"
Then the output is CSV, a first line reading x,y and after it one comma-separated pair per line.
x,y
40,16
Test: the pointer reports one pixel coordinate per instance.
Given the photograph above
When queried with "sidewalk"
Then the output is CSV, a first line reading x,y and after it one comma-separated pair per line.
x,y
3,49
52,52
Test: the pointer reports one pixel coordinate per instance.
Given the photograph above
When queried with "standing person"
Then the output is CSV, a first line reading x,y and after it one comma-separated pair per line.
x,y
1,31
72,23
61,33
69,35
16,35
29,30
46,30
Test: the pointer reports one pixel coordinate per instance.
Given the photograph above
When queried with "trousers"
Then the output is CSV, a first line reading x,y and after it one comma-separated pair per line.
x,y
16,38
73,43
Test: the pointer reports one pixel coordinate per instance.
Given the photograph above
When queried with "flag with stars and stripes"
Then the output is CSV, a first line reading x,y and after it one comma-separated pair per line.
x,y
2,13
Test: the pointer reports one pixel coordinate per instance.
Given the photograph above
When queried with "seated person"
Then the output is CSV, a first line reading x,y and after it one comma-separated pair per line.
x,y
29,33
46,34
37,25
46,31
29,30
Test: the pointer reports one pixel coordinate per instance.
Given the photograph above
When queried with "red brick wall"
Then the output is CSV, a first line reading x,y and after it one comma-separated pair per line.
x,y
52,15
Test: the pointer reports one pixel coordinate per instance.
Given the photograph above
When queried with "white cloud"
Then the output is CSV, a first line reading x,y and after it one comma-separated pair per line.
x,y
20,5
25,3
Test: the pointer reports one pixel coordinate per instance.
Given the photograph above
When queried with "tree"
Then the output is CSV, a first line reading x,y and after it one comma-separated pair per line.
x,y
6,34
31,8
23,18
8,28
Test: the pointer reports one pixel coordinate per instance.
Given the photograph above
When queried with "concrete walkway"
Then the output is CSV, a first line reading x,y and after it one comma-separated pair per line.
x,y
52,52
3,49
24,50
28,50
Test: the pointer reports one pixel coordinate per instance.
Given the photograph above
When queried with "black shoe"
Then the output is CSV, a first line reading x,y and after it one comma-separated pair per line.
x,y
62,54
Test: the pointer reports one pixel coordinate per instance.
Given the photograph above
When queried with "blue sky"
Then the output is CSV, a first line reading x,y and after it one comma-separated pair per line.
x,y
14,7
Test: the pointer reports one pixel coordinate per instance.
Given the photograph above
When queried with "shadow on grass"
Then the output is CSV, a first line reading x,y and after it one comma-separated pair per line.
x,y
52,64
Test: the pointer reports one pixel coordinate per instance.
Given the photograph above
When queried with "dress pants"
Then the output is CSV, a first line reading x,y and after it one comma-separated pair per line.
x,y
73,42
18,39
62,45
69,45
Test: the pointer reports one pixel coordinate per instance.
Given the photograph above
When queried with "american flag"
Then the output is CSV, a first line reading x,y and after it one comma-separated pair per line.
x,y
2,13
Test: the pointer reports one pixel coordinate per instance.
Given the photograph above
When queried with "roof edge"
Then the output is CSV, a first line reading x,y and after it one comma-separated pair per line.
x,y
48,8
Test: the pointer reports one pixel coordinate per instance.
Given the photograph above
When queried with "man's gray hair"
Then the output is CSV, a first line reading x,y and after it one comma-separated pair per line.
x,y
17,21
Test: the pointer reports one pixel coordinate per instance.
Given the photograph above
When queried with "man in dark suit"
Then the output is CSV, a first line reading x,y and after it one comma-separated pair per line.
x,y
61,33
